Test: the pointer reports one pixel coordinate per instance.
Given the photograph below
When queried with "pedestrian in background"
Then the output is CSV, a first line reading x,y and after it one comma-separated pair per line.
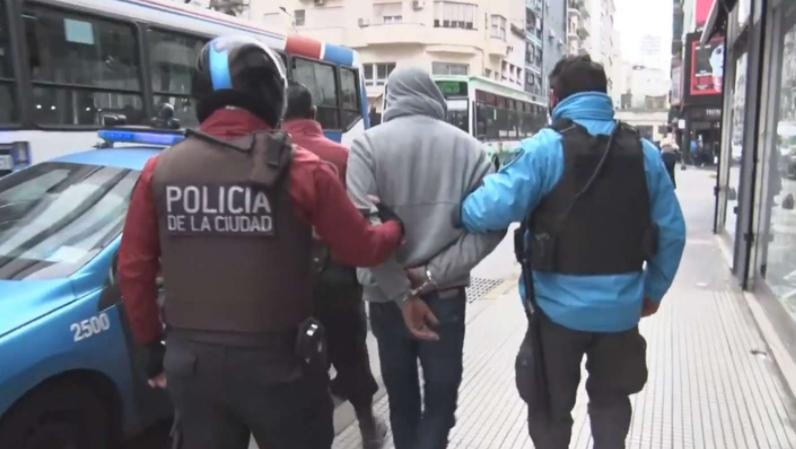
x,y
337,294
596,205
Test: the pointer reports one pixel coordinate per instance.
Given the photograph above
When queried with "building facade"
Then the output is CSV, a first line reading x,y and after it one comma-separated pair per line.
x,y
601,43
534,47
485,38
503,40
554,41
578,20
756,186
697,76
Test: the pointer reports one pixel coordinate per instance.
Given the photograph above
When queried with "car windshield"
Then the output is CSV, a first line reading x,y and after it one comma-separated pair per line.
x,y
54,217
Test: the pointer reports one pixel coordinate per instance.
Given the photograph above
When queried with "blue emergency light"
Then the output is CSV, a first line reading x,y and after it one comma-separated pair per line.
x,y
147,137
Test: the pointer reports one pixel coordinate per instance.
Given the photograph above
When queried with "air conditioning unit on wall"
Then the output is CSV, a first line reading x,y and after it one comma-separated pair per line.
x,y
319,2
418,4
363,22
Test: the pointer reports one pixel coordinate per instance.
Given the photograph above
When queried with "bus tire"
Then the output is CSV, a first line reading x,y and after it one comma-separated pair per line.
x,y
57,416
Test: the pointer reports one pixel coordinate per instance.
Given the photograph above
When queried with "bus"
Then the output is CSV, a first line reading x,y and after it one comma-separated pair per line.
x,y
65,65
496,114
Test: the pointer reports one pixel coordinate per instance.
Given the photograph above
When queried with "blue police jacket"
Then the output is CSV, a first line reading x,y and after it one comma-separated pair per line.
x,y
595,303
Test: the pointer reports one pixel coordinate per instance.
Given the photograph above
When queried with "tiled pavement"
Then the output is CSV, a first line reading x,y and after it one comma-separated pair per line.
x,y
712,383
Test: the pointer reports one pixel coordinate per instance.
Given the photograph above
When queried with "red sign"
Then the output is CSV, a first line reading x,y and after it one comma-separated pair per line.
x,y
707,67
703,11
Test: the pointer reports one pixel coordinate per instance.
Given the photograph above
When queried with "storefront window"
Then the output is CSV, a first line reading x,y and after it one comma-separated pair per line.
x,y
736,144
779,259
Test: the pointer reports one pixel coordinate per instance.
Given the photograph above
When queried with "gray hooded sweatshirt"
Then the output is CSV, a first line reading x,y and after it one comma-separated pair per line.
x,y
423,168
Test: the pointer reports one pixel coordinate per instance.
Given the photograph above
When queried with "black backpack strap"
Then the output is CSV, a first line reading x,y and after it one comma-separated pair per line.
x,y
243,144
271,156
563,125
271,153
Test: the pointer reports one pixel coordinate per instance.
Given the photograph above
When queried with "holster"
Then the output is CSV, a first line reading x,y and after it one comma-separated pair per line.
x,y
311,345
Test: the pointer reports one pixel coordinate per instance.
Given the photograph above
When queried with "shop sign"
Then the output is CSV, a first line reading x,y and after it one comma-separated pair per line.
x,y
707,67
677,85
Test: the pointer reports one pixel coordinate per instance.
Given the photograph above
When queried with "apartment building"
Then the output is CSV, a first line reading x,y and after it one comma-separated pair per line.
x,y
578,26
601,43
534,47
486,38
554,40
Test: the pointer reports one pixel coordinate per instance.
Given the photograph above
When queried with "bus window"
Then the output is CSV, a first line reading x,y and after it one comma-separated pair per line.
x,y
81,68
503,123
486,125
172,57
350,98
319,79
457,119
8,112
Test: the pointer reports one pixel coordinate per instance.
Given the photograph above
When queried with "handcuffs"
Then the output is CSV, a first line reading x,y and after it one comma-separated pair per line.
x,y
427,286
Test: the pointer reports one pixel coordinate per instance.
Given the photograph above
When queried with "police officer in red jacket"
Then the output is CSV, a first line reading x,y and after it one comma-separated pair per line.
x,y
337,293
227,216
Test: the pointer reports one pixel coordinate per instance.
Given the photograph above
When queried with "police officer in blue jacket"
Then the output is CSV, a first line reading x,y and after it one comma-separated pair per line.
x,y
603,239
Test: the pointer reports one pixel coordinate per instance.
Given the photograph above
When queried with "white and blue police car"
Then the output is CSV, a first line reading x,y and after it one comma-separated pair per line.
x,y
70,373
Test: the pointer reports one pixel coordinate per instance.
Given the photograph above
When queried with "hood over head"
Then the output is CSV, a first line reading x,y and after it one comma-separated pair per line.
x,y
411,91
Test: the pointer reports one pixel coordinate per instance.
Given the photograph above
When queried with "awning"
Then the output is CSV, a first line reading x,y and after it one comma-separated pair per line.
x,y
717,19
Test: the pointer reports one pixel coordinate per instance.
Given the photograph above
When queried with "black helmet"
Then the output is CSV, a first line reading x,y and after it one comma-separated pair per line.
x,y
242,72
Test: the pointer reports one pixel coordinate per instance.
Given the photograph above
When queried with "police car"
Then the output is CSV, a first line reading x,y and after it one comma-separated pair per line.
x,y
70,374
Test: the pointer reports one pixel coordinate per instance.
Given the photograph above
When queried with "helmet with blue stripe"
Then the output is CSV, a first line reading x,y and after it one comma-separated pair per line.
x,y
242,72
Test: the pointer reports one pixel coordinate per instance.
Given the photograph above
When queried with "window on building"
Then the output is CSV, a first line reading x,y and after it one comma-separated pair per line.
x,y
8,112
300,17
82,67
454,15
449,68
530,20
388,12
377,74
498,29
172,59
319,78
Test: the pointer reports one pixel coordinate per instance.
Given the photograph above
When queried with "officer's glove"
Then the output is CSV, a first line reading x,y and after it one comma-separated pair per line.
x,y
155,352
387,214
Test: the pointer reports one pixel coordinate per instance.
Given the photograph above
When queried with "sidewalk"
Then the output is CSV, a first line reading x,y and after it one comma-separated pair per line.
x,y
712,382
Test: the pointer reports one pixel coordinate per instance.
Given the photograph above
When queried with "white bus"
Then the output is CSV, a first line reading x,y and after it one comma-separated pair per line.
x,y
496,114
66,64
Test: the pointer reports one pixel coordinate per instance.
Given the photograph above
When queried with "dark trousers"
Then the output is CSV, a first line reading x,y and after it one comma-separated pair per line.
x,y
617,368
223,394
413,426
339,306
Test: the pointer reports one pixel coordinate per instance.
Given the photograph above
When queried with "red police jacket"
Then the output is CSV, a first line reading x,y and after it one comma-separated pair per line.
x,y
317,195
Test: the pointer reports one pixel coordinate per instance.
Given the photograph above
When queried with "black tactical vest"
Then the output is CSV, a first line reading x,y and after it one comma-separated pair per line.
x,y
235,256
597,220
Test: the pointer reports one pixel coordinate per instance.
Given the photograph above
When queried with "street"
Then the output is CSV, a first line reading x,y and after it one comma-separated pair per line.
x,y
712,382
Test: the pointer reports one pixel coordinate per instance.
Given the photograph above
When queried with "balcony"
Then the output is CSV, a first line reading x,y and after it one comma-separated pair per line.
x,y
536,5
536,40
414,34
497,47
578,6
